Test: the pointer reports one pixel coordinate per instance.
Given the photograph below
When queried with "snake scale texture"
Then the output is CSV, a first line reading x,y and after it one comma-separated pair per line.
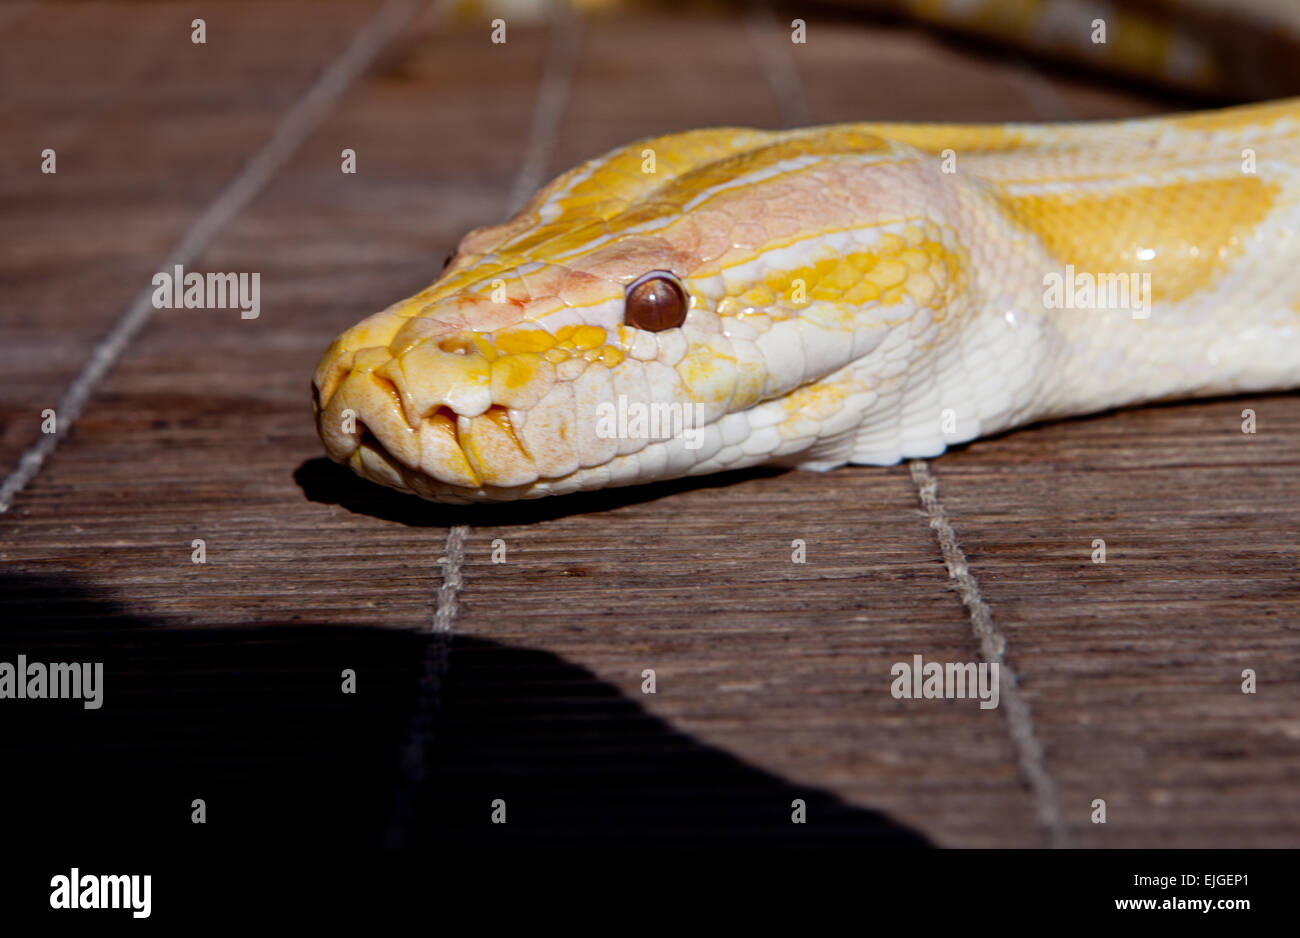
x,y
858,293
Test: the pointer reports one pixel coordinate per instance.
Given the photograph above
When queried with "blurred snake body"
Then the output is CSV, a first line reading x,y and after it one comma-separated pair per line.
x,y
859,293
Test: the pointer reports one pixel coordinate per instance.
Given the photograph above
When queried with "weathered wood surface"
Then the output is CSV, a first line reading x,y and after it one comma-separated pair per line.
x,y
772,678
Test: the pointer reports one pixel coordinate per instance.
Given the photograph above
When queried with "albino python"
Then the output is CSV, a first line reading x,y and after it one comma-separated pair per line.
x,y
859,293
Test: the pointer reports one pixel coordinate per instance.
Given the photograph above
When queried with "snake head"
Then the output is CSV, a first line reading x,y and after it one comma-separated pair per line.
x,y
533,379
628,326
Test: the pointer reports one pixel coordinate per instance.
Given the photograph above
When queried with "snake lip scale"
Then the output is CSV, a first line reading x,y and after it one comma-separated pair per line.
x,y
856,293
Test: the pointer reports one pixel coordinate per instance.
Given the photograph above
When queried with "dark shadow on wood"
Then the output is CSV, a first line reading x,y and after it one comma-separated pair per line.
x,y
328,483
253,721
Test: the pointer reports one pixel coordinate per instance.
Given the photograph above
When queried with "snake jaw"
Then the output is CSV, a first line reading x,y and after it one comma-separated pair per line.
x,y
493,448
441,454
427,412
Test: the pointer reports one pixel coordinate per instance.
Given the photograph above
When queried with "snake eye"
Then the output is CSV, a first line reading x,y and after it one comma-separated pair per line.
x,y
655,302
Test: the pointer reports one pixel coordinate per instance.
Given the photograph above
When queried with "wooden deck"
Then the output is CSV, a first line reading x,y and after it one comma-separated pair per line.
x,y
223,679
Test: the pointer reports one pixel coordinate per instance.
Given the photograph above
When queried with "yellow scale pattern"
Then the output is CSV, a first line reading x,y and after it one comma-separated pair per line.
x,y
914,264
1184,234
618,195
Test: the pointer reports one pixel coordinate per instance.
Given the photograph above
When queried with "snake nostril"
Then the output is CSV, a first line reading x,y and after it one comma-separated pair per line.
x,y
456,344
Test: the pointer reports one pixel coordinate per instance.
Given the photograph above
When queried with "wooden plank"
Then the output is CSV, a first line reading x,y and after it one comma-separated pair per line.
x,y
1134,667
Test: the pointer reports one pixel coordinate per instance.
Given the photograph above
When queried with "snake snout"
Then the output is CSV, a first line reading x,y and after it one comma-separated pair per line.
x,y
424,414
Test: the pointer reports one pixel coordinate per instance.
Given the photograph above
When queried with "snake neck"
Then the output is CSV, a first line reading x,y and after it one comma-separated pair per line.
x,y
1109,265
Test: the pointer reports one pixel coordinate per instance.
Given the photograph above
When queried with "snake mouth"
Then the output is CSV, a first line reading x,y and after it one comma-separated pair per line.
x,y
368,423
